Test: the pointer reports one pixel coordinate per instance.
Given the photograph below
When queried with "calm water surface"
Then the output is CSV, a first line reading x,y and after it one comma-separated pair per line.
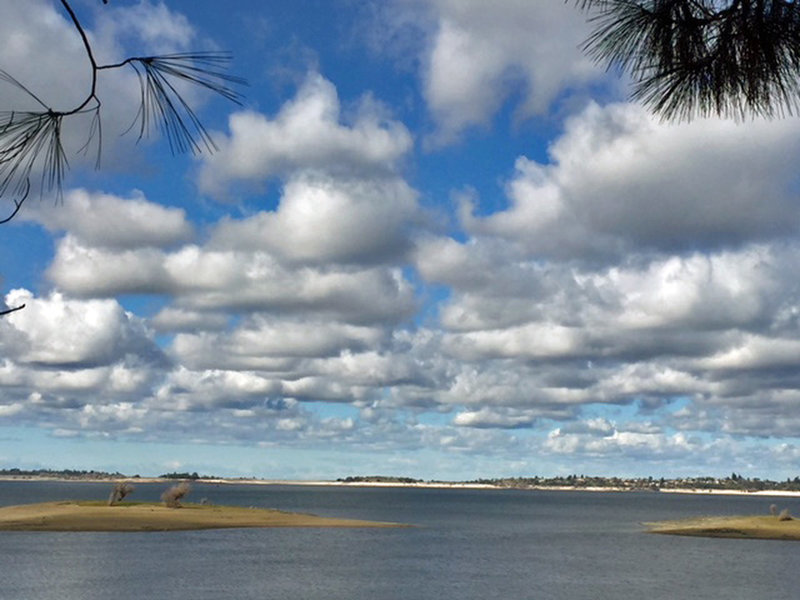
x,y
466,544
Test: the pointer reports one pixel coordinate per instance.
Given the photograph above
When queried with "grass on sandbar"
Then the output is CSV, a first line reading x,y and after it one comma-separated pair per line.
x,y
768,527
146,516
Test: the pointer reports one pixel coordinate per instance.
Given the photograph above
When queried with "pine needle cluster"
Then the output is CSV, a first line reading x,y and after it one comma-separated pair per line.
x,y
691,58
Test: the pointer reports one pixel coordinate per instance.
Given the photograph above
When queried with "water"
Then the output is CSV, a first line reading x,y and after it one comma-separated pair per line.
x,y
465,544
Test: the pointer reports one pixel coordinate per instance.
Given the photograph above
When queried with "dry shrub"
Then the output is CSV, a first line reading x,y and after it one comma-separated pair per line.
x,y
773,510
119,491
172,496
785,516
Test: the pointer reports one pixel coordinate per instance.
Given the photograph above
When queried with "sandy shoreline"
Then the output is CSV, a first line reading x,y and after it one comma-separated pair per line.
x,y
264,482
145,516
420,484
733,492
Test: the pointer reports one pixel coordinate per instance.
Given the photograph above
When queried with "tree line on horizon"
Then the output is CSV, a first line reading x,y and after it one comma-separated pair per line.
x,y
734,481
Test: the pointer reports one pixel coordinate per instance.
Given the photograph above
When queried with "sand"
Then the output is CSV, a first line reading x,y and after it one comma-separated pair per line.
x,y
133,516
753,527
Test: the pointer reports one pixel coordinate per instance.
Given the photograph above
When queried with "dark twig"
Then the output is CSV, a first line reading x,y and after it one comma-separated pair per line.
x,y
11,310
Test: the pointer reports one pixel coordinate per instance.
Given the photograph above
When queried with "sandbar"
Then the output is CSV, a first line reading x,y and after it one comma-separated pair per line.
x,y
145,516
741,527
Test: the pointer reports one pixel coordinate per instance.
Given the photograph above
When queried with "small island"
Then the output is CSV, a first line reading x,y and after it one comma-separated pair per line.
x,y
766,527
146,516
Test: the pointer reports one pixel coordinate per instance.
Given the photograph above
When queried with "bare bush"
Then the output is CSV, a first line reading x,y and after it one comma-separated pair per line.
x,y
785,516
172,496
119,491
773,510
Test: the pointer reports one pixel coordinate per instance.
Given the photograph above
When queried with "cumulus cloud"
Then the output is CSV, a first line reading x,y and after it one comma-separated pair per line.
x,y
479,55
210,280
617,441
498,417
633,299
619,181
59,332
148,24
308,133
323,219
646,265
107,221
256,342
80,357
644,334
89,271
172,319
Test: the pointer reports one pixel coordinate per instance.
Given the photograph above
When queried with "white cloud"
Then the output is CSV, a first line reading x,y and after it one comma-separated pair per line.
x,y
676,305
533,340
308,133
208,280
107,221
620,181
756,352
177,319
480,54
258,282
644,272
90,271
60,332
493,417
619,441
146,29
263,342
322,220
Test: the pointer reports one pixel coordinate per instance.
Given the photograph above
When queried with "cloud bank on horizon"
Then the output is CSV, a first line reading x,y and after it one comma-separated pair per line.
x,y
436,241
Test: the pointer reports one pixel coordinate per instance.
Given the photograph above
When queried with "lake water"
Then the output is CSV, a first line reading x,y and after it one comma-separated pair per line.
x,y
465,544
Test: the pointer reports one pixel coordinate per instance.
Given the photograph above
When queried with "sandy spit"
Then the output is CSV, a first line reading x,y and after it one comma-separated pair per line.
x,y
96,516
743,527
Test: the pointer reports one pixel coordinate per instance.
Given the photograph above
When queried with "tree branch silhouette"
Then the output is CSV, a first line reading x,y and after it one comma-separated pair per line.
x,y
11,310
32,139
692,58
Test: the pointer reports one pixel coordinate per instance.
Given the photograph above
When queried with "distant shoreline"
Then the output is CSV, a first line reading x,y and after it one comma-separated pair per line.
x,y
398,484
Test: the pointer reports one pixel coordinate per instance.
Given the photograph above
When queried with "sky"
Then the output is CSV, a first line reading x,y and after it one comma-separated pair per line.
x,y
435,240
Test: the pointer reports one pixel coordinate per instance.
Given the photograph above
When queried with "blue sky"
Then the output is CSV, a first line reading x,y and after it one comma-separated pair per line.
x,y
435,241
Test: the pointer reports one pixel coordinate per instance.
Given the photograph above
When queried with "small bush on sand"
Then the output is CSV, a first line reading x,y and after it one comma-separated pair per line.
x,y
172,497
785,516
773,510
119,491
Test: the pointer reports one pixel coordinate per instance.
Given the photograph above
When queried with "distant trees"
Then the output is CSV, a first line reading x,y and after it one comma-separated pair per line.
x,y
185,475
702,57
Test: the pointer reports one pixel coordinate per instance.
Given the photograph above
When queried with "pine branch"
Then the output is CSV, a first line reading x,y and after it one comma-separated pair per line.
x,y
163,107
31,140
693,58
